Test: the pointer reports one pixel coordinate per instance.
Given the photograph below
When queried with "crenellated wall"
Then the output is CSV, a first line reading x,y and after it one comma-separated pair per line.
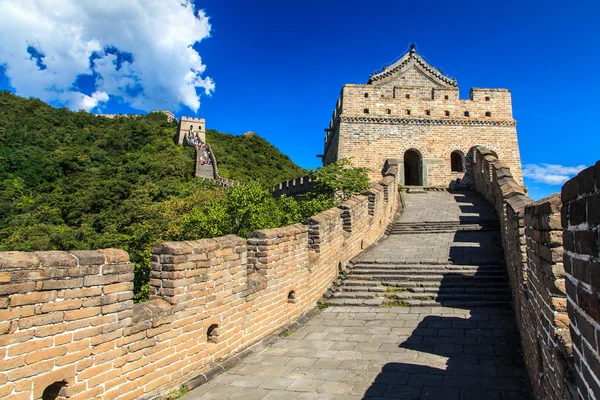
x,y
294,187
555,296
69,323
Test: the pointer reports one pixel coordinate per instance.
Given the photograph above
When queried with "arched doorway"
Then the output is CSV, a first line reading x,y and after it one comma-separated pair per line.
x,y
413,166
456,161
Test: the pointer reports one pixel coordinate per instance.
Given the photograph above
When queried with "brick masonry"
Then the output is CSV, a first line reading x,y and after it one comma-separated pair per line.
x,y
294,187
410,105
197,126
552,265
581,222
68,320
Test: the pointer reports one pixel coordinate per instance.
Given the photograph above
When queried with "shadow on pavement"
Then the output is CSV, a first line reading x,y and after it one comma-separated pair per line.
x,y
478,357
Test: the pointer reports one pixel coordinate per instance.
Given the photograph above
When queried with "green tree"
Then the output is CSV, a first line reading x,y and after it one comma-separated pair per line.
x,y
339,180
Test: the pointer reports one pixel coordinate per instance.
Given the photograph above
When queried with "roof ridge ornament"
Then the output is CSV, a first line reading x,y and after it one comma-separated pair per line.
x,y
404,60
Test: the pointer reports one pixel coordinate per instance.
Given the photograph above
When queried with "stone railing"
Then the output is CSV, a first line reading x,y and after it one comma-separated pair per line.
x,y
554,294
69,325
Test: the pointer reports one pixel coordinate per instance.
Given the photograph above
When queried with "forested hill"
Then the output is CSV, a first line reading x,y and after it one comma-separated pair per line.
x,y
74,180
248,157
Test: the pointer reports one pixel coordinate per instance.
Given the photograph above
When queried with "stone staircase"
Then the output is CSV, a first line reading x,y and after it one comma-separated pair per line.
x,y
453,263
205,171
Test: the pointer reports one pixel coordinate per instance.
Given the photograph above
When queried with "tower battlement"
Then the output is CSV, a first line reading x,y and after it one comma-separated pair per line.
x,y
411,112
192,119
195,126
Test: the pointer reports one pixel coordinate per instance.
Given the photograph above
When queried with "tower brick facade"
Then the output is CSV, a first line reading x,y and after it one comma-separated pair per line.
x,y
197,127
411,112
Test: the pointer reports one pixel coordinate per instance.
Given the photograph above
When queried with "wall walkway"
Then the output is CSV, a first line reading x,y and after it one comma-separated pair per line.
x,y
436,329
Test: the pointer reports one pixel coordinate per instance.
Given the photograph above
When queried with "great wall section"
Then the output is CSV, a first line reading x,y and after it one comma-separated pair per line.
x,y
476,293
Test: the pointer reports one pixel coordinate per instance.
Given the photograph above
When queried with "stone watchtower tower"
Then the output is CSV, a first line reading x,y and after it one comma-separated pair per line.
x,y
195,126
410,111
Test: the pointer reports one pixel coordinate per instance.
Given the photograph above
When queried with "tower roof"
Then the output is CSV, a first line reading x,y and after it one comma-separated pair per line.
x,y
411,59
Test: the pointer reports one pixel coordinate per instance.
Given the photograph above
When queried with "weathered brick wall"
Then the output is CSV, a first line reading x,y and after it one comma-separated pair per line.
x,y
193,124
581,222
368,143
532,241
64,317
545,319
68,319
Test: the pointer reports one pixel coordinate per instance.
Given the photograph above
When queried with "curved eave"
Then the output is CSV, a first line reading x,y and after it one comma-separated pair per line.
x,y
412,57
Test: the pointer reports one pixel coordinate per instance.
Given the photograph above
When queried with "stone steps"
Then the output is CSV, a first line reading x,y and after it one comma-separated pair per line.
x,y
440,297
499,289
476,278
418,303
205,171
423,278
425,269
377,286
397,228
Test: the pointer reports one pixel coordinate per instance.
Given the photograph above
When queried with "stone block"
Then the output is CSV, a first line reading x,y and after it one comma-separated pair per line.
x,y
56,259
569,191
175,248
89,257
18,259
115,256
585,181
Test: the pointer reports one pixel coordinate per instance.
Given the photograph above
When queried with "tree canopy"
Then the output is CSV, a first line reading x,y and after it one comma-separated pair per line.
x,y
73,180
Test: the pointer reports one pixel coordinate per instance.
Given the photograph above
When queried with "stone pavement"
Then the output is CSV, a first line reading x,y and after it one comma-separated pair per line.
x,y
446,206
458,247
435,352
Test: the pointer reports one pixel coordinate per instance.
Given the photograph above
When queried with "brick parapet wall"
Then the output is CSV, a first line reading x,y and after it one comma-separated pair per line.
x,y
294,187
546,318
64,317
532,241
69,318
581,222
391,100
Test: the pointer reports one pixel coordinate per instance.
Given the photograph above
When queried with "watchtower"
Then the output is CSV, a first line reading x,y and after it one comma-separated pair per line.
x,y
193,126
411,111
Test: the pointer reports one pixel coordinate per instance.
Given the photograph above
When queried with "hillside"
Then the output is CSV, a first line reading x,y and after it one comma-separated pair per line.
x,y
250,157
73,180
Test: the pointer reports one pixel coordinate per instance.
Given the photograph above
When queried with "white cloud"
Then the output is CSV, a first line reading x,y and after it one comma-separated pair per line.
x,y
79,37
550,174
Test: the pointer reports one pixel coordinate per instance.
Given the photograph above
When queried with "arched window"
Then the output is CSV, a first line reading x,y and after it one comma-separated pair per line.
x,y
456,161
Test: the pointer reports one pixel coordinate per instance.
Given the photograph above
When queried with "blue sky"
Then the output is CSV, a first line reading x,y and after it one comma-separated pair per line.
x,y
276,67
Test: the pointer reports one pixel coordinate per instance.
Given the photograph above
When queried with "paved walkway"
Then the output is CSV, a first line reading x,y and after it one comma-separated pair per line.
x,y
458,247
392,352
